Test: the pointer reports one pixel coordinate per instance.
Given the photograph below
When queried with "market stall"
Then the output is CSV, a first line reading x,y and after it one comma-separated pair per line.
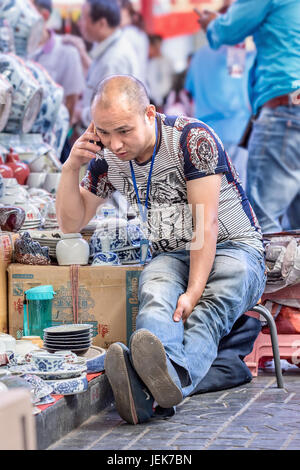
x,y
64,297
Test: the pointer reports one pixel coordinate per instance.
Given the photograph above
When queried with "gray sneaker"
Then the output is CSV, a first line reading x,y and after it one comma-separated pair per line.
x,y
133,400
155,369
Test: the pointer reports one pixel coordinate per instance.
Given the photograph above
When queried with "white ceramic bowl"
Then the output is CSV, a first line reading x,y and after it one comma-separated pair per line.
x,y
52,182
37,165
36,180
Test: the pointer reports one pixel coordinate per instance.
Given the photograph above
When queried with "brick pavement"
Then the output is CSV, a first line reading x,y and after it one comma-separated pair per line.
x,y
256,416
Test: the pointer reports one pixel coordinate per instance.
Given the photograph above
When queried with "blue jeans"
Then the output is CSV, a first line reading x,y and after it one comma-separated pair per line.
x,y
273,172
235,284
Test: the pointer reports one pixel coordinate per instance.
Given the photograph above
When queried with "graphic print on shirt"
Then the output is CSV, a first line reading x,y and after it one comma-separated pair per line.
x,y
189,150
168,217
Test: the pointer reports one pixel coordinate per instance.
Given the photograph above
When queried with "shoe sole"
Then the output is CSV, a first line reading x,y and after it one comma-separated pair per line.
x,y
150,362
116,371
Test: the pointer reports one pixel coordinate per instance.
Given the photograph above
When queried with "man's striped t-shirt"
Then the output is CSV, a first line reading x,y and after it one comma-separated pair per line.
x,y
187,149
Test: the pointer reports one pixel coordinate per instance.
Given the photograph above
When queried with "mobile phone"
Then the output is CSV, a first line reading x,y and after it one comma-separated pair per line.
x,y
99,143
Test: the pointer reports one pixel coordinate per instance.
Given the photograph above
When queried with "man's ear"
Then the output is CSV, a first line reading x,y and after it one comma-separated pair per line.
x,y
150,113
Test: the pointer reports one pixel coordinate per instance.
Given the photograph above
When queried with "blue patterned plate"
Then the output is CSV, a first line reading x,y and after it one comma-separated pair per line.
x,y
69,370
70,386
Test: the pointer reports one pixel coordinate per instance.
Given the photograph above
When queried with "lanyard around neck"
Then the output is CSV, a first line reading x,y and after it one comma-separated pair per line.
x,y
143,211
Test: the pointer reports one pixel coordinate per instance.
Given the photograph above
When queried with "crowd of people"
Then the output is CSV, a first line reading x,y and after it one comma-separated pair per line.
x,y
113,40
171,148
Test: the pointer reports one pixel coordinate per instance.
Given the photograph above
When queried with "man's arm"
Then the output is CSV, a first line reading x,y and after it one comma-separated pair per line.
x,y
202,193
75,206
240,21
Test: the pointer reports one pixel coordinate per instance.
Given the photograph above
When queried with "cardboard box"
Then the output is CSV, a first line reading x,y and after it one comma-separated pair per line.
x,y
105,296
17,424
7,240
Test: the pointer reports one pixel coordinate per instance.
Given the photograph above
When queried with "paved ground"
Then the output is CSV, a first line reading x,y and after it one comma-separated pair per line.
x,y
254,416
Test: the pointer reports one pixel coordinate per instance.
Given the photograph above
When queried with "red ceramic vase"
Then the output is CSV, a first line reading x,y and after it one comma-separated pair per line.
x,y
5,170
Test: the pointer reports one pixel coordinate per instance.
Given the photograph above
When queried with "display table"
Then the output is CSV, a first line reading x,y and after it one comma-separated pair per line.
x,y
68,412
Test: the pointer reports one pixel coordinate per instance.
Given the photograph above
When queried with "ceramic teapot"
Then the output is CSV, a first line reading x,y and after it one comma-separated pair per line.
x,y
26,22
20,169
27,94
6,91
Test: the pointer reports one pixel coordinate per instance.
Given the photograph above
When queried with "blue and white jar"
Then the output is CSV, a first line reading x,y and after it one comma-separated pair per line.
x,y
6,92
26,22
7,42
53,95
27,94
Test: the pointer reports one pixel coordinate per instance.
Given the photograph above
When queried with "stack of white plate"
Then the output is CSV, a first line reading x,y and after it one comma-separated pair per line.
x,y
50,223
48,238
76,337
32,224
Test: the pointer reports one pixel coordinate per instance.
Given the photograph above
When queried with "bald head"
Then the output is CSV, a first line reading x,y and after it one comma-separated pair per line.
x,y
122,90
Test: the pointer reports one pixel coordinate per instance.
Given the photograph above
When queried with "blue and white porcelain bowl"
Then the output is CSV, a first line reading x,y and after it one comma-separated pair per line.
x,y
69,386
47,362
107,258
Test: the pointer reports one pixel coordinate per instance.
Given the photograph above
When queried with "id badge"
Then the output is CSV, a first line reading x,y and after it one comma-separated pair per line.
x,y
144,247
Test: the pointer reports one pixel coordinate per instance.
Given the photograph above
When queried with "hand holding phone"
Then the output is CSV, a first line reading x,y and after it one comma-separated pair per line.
x,y
97,142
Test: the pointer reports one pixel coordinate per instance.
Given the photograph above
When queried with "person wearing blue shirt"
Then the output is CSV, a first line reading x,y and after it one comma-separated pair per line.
x,y
273,173
221,101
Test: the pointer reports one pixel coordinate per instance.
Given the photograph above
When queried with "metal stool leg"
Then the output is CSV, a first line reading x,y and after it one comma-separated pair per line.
x,y
273,331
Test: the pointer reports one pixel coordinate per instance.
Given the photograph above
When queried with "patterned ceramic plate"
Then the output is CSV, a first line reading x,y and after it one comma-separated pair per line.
x,y
69,338
69,329
70,386
69,371
76,350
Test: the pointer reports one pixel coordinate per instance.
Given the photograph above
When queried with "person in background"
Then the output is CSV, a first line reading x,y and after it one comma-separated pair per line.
x,y
111,52
179,101
61,61
273,172
221,100
79,43
160,72
132,25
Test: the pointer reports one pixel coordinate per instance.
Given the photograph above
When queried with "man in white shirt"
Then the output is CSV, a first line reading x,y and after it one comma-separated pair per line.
x,y
111,53
62,61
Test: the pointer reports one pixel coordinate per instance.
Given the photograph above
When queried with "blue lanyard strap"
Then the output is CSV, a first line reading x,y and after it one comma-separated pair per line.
x,y
143,212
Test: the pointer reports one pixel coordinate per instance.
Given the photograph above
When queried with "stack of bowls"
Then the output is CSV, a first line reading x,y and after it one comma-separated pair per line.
x,y
77,337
